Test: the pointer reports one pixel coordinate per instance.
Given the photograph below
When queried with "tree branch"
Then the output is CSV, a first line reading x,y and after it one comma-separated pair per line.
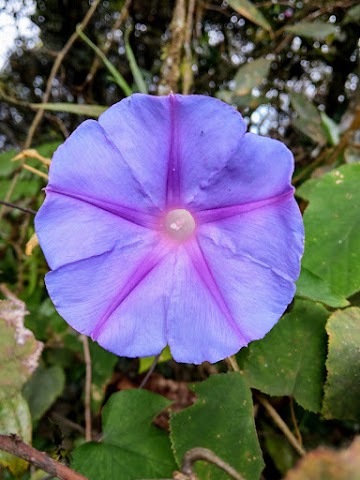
x,y
14,445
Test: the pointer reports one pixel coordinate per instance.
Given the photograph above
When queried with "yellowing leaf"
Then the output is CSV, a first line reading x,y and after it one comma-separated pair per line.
x,y
248,10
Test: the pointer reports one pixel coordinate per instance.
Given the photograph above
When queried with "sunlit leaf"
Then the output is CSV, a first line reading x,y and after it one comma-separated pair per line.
x,y
332,227
146,362
222,421
14,419
329,464
248,10
342,388
314,30
132,447
280,365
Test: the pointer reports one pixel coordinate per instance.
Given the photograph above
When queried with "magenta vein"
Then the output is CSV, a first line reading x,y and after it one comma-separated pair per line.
x,y
126,213
216,214
173,174
202,267
146,265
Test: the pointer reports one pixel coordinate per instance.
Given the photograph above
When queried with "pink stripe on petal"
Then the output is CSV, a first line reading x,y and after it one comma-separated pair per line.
x,y
134,216
173,173
216,214
202,267
145,267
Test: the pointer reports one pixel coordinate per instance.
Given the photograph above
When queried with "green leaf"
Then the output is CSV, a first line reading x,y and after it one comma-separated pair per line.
x,y
248,76
331,129
132,448
222,421
146,362
309,120
50,382
248,10
14,419
77,108
19,350
279,364
118,78
315,30
328,464
342,387
278,447
135,70
352,15
312,287
103,363
332,229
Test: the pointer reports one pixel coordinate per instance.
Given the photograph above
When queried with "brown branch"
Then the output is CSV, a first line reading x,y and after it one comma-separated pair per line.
x,y
187,67
14,445
195,454
170,70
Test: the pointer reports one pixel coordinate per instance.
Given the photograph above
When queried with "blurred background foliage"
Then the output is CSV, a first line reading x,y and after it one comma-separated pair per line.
x,y
292,69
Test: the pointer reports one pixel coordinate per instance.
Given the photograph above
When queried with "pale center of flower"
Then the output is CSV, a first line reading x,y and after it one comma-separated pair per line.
x,y
179,224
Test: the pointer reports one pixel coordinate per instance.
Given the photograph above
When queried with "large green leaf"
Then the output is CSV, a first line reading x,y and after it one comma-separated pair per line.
x,y
314,30
248,76
342,387
222,421
328,464
19,350
312,287
132,448
290,360
14,419
332,227
248,10
50,382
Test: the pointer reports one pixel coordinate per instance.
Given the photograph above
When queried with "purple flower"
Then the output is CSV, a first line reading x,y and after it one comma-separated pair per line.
x,y
165,223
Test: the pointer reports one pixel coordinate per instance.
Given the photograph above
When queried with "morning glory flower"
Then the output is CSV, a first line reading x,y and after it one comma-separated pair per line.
x,y
166,223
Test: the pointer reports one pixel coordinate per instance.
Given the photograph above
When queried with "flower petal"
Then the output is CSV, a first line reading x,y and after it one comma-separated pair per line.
x,y
260,169
255,264
198,325
90,167
207,133
121,307
140,127
70,230
272,236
